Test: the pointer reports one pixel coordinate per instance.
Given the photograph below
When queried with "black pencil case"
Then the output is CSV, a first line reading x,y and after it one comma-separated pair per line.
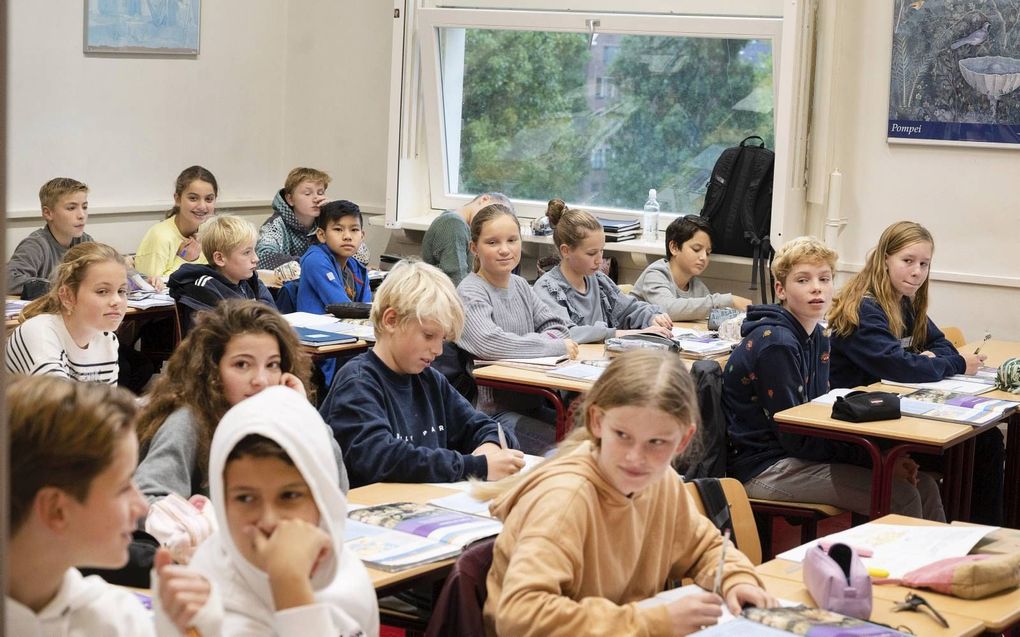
x,y
865,406
350,310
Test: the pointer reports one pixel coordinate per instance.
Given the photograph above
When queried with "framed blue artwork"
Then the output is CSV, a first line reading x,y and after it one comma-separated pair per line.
x,y
955,73
162,27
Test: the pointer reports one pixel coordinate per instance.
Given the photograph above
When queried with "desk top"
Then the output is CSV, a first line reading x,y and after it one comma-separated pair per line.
x,y
996,612
997,351
588,351
918,623
908,428
381,493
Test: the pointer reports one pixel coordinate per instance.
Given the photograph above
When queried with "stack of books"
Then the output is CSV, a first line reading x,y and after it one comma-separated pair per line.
x,y
620,229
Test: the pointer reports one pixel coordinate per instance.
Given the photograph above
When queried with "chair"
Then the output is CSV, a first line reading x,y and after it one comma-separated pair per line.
x,y
806,514
745,531
955,336
458,610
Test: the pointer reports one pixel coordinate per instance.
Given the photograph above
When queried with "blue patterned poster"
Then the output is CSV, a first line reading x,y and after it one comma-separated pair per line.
x,y
169,27
955,72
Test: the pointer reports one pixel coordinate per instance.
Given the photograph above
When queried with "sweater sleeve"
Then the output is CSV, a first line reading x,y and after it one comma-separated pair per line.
x,y
778,363
594,333
654,287
873,348
467,428
356,410
939,345
170,464
629,312
34,348
269,245
534,598
486,340
26,265
451,251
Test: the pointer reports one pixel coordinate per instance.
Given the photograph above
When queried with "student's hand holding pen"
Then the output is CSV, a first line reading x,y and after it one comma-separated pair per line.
x,y
973,361
693,612
572,348
502,462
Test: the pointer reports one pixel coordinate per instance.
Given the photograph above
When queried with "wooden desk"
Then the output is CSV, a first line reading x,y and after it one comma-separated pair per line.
x,y
908,433
999,351
336,351
529,381
918,623
996,613
387,583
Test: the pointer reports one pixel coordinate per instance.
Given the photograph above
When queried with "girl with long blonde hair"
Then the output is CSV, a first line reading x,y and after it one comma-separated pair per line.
x,y
607,522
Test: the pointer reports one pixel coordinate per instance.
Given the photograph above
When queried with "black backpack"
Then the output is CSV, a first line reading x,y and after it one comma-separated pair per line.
x,y
738,206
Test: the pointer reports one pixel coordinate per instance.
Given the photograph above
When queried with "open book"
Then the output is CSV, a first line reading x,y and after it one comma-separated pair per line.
x,y
955,407
978,383
399,535
816,622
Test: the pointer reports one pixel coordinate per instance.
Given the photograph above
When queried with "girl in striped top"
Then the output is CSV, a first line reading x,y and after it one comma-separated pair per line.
x,y
70,332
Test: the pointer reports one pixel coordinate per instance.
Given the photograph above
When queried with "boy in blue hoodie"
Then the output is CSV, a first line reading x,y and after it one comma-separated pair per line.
x,y
398,420
783,361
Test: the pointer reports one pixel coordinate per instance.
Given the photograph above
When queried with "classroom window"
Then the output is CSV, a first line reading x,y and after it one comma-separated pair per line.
x,y
536,113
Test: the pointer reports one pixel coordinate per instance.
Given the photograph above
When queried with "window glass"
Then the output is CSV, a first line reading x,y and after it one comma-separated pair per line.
x,y
544,114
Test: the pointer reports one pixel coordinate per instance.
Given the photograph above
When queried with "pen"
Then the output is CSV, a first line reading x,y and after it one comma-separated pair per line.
x,y
988,335
722,562
502,436
598,362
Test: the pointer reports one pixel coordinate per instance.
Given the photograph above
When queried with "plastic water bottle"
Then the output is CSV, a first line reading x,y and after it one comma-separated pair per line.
x,y
650,219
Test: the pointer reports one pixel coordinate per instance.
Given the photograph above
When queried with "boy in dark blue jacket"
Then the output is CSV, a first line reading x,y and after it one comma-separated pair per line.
x,y
783,361
398,420
228,243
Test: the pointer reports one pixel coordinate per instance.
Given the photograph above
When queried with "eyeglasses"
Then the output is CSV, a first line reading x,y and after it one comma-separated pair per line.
x,y
916,603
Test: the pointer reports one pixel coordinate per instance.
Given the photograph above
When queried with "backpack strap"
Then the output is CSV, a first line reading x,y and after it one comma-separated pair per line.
x,y
717,509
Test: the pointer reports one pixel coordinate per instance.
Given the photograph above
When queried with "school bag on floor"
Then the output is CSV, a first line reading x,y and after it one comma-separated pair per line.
x,y
738,206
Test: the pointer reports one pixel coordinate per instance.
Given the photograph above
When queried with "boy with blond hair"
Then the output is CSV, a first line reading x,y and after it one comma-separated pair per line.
x,y
228,243
286,235
65,208
398,420
783,361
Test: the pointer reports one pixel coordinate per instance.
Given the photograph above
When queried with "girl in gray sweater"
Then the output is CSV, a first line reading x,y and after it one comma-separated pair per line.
x,y
504,318
583,296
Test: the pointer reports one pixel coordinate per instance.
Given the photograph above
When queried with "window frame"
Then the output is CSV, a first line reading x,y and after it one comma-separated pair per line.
x,y
418,182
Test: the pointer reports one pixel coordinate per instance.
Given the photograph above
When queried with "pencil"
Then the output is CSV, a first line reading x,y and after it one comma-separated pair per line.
x,y
502,436
988,335
722,562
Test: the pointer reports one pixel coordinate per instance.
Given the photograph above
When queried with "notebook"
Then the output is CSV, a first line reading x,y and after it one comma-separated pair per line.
x,y
319,338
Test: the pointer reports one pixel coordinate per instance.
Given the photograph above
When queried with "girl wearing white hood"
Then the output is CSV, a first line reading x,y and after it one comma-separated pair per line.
x,y
279,559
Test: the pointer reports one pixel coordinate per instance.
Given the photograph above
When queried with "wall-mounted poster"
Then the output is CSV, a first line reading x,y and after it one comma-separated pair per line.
x,y
166,27
955,72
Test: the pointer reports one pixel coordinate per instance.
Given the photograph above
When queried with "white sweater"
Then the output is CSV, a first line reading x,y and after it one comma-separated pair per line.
x,y
42,345
83,607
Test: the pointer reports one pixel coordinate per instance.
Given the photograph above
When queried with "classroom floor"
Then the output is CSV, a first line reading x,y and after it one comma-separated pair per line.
x,y
784,537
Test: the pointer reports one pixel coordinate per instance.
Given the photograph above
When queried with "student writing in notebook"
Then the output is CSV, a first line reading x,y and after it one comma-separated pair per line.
x,y
881,330
581,294
399,420
673,284
505,318
606,522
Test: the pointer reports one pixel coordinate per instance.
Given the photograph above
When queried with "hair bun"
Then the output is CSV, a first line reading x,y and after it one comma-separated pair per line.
x,y
554,210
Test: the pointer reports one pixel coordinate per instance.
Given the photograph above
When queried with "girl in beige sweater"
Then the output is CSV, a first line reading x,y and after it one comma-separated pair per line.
x,y
607,522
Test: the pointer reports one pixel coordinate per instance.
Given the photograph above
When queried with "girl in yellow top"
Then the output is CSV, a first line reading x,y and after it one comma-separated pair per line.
x,y
607,522
173,242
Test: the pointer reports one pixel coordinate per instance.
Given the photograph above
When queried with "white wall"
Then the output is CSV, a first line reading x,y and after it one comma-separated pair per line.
x,y
965,196
276,84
